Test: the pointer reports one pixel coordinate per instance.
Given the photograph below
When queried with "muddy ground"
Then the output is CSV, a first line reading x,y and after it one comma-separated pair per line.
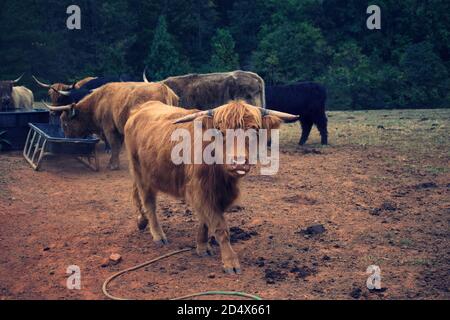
x,y
378,195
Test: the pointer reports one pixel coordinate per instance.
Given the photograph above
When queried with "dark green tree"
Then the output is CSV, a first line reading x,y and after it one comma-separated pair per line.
x,y
291,52
163,59
223,58
426,76
349,78
405,64
245,19
115,24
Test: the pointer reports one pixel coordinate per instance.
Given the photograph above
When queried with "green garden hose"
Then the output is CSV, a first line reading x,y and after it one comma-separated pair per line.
x,y
198,294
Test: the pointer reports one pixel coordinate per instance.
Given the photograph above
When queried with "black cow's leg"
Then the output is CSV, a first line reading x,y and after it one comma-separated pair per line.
x,y
306,129
321,124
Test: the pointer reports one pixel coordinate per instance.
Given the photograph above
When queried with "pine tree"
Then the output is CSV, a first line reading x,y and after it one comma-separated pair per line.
x,y
163,59
426,76
224,58
290,52
114,37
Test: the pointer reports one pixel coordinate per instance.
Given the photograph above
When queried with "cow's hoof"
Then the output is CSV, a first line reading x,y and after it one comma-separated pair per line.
x,y
231,265
235,208
206,251
161,243
114,167
232,270
142,222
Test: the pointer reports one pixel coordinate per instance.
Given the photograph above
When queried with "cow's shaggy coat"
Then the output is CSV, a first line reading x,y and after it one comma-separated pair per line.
x,y
15,97
209,189
205,91
106,110
22,97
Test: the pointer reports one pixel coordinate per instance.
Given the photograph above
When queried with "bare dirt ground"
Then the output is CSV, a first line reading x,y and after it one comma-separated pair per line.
x,y
381,190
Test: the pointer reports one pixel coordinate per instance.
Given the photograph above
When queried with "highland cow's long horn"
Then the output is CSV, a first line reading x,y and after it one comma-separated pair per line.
x,y
18,79
61,92
282,115
43,85
59,108
194,116
144,76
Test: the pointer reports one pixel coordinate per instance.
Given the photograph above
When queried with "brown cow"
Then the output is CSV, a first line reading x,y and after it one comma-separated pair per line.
x,y
210,90
106,110
53,89
209,189
12,97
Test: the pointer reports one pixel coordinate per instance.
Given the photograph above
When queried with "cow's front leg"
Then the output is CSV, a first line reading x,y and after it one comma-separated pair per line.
x,y
229,257
203,246
115,141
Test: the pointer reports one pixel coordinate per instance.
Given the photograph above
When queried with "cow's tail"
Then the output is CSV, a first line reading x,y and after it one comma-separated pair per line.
x,y
263,93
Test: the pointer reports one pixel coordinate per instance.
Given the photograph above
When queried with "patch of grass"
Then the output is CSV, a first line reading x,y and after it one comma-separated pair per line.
x,y
372,127
371,259
437,170
420,262
406,242
413,133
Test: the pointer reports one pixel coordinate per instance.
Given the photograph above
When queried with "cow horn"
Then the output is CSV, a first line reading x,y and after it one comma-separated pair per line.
x,y
195,115
18,79
287,117
59,108
144,76
61,92
43,85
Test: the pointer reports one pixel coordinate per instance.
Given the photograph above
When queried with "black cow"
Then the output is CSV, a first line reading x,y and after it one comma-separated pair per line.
x,y
75,95
306,99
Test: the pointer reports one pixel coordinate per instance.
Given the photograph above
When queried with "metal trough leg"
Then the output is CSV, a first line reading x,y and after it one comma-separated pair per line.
x,y
38,141
31,143
36,148
41,155
91,161
26,143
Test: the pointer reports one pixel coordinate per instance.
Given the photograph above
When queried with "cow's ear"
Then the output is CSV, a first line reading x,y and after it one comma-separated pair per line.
x,y
271,122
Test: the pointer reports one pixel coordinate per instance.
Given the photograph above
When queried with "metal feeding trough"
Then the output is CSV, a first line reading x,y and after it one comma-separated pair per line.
x,y
48,139
14,126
